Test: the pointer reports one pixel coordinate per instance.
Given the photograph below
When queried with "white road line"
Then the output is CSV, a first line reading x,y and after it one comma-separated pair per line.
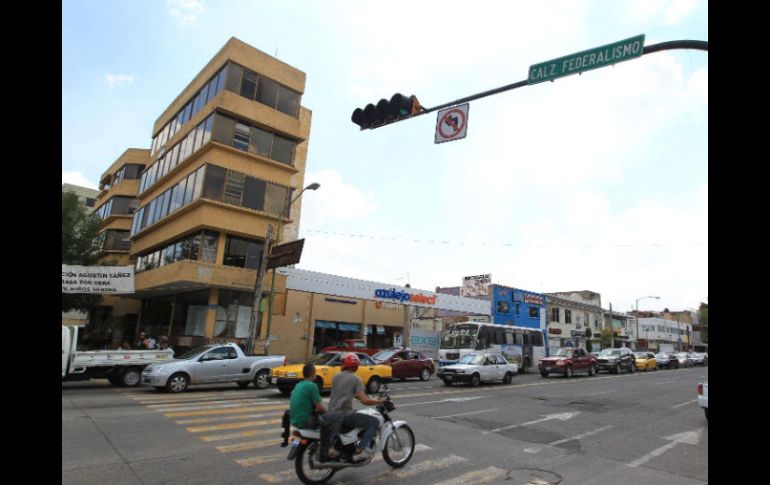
x,y
559,416
683,404
595,393
421,467
451,399
229,418
649,456
580,436
466,414
662,382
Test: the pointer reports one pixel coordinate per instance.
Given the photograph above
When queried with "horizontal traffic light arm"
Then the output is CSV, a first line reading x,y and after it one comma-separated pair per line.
x,y
662,46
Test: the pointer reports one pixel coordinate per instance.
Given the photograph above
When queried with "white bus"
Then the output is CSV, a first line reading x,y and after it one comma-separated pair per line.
x,y
522,345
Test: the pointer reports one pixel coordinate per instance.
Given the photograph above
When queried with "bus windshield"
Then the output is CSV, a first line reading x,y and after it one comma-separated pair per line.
x,y
460,337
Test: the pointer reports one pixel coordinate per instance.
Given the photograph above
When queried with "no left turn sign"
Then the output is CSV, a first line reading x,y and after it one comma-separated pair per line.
x,y
452,123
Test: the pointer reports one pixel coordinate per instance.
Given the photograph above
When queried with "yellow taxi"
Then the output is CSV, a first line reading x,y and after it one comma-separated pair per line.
x,y
646,361
327,365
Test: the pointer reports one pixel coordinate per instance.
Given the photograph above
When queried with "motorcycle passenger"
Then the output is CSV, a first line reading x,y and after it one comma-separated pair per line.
x,y
305,401
345,386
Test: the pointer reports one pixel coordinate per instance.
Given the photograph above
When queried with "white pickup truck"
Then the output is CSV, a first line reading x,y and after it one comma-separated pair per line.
x,y
120,367
703,397
215,363
475,368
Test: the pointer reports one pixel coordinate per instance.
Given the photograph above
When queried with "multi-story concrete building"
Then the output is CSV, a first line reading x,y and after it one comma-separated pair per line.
x,y
653,332
574,317
621,329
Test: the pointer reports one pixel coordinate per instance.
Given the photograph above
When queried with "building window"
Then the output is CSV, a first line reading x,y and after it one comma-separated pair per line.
x,y
190,313
114,240
534,312
181,194
240,190
118,205
243,253
567,316
251,139
256,87
233,314
555,315
503,307
199,246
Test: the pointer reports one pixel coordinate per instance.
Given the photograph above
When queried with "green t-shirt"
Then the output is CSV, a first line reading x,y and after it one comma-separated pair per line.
x,y
304,397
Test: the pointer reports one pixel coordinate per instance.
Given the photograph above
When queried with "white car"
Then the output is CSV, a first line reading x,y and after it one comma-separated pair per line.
x,y
703,397
475,368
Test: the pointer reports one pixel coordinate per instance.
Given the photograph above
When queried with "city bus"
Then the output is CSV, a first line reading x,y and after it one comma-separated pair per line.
x,y
523,345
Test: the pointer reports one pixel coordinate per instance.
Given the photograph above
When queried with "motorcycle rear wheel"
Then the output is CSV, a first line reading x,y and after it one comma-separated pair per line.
x,y
311,476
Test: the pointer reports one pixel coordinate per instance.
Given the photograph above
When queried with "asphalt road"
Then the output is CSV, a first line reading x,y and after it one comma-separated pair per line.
x,y
607,429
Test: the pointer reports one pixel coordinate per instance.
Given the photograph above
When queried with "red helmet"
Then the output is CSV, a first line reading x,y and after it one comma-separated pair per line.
x,y
350,361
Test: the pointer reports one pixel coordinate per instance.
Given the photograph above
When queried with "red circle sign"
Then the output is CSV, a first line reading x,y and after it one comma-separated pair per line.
x,y
457,127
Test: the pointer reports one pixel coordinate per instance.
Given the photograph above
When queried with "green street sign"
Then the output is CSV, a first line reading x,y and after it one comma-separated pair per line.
x,y
586,60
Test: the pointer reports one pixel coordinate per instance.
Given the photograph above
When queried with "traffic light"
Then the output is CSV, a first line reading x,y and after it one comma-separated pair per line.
x,y
385,111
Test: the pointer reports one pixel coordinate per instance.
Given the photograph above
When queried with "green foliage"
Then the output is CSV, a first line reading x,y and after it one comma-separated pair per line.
x,y
704,313
606,338
79,230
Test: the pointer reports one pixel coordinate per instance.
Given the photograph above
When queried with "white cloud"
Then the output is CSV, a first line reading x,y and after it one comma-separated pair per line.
x,y
334,201
77,178
185,11
677,10
119,80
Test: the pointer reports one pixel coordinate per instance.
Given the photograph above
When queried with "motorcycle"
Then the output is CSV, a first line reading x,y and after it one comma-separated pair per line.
x,y
395,439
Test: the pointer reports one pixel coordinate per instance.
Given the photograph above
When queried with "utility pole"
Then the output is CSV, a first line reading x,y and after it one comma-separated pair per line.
x,y
612,330
258,292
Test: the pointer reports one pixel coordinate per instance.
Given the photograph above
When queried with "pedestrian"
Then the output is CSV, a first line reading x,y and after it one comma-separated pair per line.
x,y
164,344
141,343
125,346
150,343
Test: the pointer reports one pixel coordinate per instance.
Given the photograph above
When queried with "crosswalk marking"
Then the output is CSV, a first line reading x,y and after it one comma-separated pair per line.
x,y
212,403
423,466
241,434
247,445
244,424
278,477
260,460
228,418
478,476
207,412
195,407
192,397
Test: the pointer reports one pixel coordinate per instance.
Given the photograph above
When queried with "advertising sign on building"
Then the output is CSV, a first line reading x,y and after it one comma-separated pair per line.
x,y
476,285
97,279
425,342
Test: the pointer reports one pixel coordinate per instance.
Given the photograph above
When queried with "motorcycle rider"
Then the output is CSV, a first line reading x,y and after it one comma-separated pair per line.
x,y
345,386
305,403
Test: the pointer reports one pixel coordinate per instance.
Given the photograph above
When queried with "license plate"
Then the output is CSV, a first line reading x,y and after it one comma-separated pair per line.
x,y
274,380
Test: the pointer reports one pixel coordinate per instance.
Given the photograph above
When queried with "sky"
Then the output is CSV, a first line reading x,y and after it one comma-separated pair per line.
x,y
596,181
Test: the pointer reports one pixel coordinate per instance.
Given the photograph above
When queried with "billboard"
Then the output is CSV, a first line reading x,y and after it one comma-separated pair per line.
x,y
476,285
426,342
97,279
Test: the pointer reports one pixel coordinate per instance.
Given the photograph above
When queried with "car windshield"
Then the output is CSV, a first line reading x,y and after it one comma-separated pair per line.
x,y
460,337
564,353
473,359
322,359
607,352
384,355
641,355
661,356
191,354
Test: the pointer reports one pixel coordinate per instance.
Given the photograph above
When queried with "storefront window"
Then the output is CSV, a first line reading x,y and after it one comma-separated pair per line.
x,y
156,316
380,336
190,313
233,314
331,334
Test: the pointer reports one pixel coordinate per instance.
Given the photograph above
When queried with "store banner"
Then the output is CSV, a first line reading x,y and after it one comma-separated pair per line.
x,y
97,279
425,342
476,285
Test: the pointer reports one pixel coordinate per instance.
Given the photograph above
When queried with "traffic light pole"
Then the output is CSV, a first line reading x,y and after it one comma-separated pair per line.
x,y
662,46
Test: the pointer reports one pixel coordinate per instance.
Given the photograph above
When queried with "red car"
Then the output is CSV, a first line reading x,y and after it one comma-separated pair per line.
x,y
406,363
567,361
351,345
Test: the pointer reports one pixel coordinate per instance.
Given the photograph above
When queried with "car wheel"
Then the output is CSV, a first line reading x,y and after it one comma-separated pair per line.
x,y
568,372
508,378
425,374
617,369
374,385
178,382
544,374
262,379
591,371
632,368
130,377
475,380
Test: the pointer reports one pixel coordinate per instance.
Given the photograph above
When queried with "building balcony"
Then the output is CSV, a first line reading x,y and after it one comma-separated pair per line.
x,y
186,276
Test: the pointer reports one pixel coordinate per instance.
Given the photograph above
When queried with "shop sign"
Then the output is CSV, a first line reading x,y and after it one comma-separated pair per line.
x,y
403,296
97,279
555,331
536,299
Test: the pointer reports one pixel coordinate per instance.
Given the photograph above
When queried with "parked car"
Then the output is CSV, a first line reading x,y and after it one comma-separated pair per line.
x,y
351,345
327,365
669,361
615,360
699,358
645,361
566,361
478,367
209,364
406,363
703,397
684,359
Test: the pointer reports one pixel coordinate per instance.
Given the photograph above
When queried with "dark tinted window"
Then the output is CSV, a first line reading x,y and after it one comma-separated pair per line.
x,y
254,193
214,185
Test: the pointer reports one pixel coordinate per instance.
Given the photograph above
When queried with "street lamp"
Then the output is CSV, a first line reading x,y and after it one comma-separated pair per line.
x,y
284,213
637,312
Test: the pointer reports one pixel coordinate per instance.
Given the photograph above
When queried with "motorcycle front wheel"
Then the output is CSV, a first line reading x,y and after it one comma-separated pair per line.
x,y
399,448
308,475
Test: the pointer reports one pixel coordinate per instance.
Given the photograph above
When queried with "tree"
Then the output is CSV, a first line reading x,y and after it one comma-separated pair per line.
x,y
606,338
704,313
79,230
